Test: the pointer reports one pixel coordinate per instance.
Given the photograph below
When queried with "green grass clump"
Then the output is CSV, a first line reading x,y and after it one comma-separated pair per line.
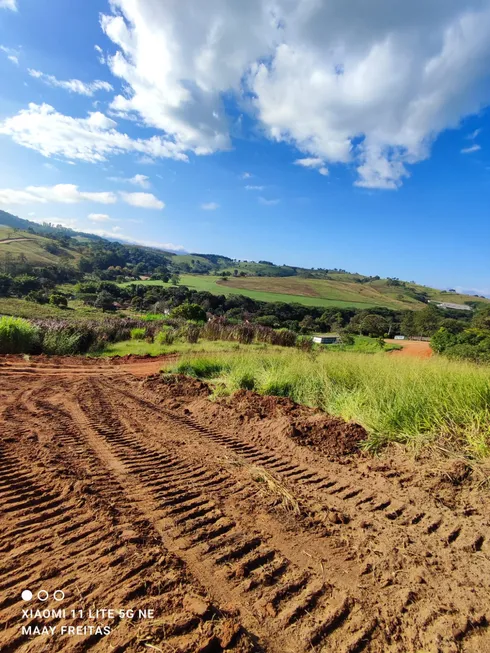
x,y
402,400
138,333
203,368
17,336
62,343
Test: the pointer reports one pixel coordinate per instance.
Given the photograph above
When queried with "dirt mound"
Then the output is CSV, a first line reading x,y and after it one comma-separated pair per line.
x,y
332,436
270,419
168,388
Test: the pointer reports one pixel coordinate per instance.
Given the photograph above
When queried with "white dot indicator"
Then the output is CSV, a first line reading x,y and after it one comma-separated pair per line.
x,y
42,595
26,595
59,595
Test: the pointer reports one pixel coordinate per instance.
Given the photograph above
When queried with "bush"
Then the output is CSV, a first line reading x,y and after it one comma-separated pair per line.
x,y
62,343
138,334
305,343
17,336
191,333
59,300
166,336
188,311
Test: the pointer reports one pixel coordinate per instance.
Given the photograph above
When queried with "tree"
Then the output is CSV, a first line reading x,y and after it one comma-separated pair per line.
x,y
85,265
307,324
427,321
6,282
25,284
59,300
105,301
481,319
407,326
369,324
190,312
175,279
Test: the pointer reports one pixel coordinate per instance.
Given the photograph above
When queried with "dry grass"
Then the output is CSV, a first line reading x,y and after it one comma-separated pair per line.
x,y
276,488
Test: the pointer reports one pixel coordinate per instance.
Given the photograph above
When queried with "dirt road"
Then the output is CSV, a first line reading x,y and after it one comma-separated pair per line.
x,y
412,348
231,521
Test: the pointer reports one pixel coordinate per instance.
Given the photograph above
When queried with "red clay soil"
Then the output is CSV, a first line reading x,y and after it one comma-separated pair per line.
x,y
412,348
231,520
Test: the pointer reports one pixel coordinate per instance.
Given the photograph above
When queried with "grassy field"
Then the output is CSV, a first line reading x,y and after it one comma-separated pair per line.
x,y
312,292
32,247
216,286
143,348
30,310
416,402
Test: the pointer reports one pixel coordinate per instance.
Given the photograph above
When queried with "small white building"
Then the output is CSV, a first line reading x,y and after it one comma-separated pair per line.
x,y
327,340
399,338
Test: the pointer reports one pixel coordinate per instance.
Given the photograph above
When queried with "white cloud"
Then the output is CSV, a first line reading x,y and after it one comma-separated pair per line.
x,y
364,84
71,85
246,175
254,187
8,4
210,206
61,193
137,180
310,162
136,241
69,223
469,150
140,180
12,55
100,54
99,217
266,202
474,134
143,200
314,163
93,139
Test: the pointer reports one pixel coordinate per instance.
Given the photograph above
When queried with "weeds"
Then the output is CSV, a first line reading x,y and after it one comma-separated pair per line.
x,y
17,336
396,399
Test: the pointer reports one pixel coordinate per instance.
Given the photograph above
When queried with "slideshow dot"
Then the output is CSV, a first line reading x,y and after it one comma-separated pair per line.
x,y
27,595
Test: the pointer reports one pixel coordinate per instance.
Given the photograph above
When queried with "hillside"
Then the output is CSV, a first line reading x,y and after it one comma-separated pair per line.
x,y
33,248
34,244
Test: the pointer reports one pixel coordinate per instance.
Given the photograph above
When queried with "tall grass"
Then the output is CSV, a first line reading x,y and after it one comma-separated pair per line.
x,y
396,399
17,336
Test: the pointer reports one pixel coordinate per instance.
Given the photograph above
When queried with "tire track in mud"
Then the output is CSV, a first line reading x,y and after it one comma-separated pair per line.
x,y
100,553
136,503
349,496
431,610
288,607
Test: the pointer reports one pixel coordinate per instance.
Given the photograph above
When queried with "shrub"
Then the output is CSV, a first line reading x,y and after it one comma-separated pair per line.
x,y
62,343
56,299
191,333
190,312
305,343
166,336
138,334
37,296
17,336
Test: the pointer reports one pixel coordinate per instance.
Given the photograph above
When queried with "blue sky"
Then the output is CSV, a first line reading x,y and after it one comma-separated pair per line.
x,y
331,134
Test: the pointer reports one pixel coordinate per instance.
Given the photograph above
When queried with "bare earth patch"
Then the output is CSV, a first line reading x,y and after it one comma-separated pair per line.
x,y
247,524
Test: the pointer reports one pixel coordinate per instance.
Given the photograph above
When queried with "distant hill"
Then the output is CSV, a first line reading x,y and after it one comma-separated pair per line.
x,y
34,244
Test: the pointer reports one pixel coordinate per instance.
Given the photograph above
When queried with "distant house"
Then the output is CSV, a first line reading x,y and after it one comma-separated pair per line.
x,y
399,337
327,340
454,307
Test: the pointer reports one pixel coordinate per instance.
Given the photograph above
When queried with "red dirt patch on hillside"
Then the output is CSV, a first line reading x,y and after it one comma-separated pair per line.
x,y
412,348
